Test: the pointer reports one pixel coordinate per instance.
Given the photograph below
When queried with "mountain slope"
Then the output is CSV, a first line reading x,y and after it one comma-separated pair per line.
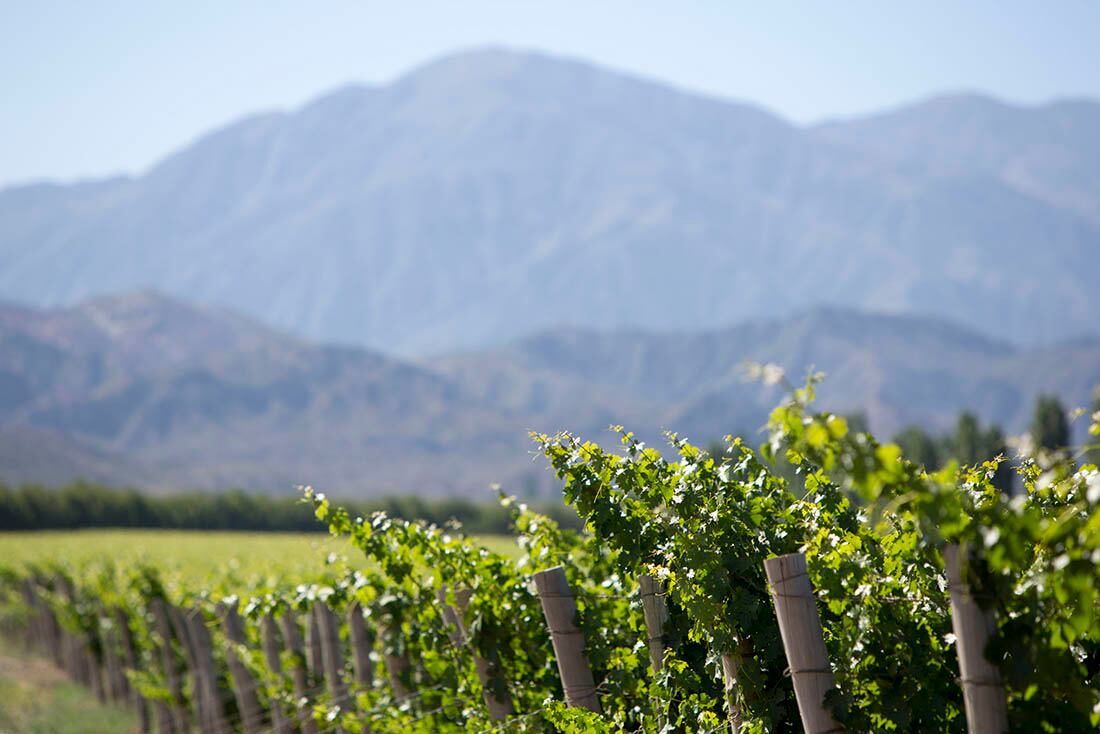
x,y
492,194
1050,152
899,370
147,390
201,397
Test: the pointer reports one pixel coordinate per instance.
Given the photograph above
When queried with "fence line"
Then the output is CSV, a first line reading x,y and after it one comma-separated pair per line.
x,y
101,655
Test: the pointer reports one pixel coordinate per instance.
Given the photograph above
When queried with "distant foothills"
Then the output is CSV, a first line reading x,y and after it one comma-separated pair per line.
x,y
142,389
494,194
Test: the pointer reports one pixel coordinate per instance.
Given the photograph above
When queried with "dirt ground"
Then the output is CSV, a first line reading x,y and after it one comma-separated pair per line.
x,y
37,698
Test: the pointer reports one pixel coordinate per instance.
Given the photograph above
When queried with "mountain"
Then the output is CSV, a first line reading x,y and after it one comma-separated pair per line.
x,y
147,390
898,370
198,397
493,194
1050,152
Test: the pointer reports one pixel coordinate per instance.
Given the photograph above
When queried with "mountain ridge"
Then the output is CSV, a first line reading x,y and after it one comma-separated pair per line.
x,y
484,197
147,390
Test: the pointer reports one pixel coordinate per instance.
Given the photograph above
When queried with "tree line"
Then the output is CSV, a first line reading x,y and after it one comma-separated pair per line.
x,y
84,504
971,443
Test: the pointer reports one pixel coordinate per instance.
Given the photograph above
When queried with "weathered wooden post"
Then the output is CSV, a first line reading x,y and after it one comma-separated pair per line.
x,y
496,696
983,691
130,662
176,714
803,640
398,667
313,643
360,646
279,722
95,669
244,687
560,609
117,686
51,628
36,631
200,705
655,611
329,625
730,665
292,638
204,658
72,646
45,624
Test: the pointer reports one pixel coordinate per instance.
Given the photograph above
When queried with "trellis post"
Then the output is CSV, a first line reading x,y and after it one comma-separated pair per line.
x,y
730,665
204,658
333,659
398,666
279,722
130,662
244,686
313,646
560,609
162,618
495,694
803,640
655,611
360,646
983,691
292,638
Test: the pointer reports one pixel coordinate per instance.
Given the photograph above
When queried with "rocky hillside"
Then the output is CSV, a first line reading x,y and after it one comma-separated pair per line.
x,y
144,389
493,194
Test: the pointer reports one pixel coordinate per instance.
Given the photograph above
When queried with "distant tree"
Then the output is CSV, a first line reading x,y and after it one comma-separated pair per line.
x,y
1092,456
919,447
971,445
857,422
993,444
1049,425
968,441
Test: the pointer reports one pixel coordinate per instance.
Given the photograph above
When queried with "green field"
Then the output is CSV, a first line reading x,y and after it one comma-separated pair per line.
x,y
195,554
37,698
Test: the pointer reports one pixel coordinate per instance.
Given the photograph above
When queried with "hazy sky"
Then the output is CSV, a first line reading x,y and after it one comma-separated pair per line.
x,y
96,88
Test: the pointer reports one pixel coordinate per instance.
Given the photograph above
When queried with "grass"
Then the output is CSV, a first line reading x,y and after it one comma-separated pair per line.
x,y
37,698
195,554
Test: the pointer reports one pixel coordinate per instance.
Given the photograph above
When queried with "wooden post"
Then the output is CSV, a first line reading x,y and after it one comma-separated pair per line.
x,y
313,643
655,611
93,666
803,640
279,722
292,638
329,626
360,646
117,688
730,665
204,658
177,714
130,662
200,704
496,696
53,631
37,633
244,687
983,691
560,609
397,665
73,646
48,629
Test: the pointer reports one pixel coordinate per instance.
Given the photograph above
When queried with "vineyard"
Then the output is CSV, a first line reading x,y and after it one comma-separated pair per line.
x,y
820,583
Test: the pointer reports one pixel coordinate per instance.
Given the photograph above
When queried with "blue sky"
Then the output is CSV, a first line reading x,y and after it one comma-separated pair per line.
x,y
96,88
